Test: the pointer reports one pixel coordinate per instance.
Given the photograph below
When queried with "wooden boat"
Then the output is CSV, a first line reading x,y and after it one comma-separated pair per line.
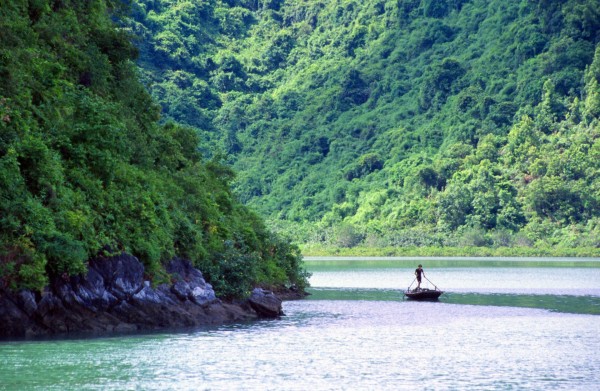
x,y
423,294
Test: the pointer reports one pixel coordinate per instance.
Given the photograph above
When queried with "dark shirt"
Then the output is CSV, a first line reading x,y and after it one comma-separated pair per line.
x,y
418,272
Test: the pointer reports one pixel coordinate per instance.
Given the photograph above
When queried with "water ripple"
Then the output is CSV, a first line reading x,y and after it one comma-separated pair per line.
x,y
494,329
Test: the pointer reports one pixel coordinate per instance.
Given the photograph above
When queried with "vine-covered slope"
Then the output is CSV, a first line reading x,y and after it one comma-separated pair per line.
x,y
392,122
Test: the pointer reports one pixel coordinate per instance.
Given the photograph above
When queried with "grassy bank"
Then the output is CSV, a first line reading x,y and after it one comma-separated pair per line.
x,y
317,250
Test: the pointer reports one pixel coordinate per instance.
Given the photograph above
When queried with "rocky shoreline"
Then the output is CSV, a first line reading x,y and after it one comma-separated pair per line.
x,y
114,297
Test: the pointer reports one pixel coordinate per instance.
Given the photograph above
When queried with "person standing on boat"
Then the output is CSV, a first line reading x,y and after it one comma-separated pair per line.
x,y
419,272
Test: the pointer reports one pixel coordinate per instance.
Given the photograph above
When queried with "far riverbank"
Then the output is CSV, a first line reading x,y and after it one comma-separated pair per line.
x,y
317,250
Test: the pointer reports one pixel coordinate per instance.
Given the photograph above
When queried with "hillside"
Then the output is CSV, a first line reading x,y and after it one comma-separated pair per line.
x,y
86,169
392,123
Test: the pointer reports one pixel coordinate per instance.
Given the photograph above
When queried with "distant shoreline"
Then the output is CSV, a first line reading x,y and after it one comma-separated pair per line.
x,y
319,258
482,252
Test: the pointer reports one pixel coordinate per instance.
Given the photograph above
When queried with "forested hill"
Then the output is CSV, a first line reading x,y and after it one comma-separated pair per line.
x,y
86,170
392,122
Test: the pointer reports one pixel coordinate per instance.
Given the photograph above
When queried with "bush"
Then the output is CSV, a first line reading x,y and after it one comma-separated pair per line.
x,y
474,237
347,236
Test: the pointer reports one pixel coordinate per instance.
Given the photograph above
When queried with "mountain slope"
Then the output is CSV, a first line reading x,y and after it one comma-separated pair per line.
x,y
86,170
392,122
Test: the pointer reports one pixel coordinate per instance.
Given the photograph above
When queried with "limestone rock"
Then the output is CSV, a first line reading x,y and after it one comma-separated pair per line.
x,y
113,296
265,303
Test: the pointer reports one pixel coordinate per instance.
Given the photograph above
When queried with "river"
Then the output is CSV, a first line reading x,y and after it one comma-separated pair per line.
x,y
503,324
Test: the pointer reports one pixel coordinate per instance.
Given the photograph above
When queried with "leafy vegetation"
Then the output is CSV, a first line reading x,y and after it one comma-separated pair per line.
x,y
85,168
403,123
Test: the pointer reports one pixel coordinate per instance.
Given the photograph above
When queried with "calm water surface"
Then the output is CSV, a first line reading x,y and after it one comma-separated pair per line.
x,y
505,324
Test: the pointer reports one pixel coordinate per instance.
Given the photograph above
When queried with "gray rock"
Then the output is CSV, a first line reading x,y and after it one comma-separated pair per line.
x,y
189,283
147,294
26,301
13,320
265,303
203,295
113,296
123,274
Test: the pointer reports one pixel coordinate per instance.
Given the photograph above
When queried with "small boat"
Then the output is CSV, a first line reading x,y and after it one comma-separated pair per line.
x,y
423,294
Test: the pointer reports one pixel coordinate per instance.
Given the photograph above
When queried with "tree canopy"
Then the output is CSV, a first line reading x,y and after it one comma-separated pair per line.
x,y
400,122
87,170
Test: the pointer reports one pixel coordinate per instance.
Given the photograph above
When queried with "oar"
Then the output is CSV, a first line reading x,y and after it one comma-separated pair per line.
x,y
431,282
408,289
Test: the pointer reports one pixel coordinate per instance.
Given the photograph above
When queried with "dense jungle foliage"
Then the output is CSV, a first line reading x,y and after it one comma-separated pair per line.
x,y
392,122
86,170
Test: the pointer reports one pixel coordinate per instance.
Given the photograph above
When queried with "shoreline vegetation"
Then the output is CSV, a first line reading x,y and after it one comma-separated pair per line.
x,y
90,168
434,251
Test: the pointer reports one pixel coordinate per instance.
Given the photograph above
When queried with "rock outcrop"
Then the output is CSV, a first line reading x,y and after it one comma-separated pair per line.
x,y
114,297
265,303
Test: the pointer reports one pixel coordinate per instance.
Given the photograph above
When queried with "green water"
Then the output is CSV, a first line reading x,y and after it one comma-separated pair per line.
x,y
559,303
557,284
500,325
339,263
